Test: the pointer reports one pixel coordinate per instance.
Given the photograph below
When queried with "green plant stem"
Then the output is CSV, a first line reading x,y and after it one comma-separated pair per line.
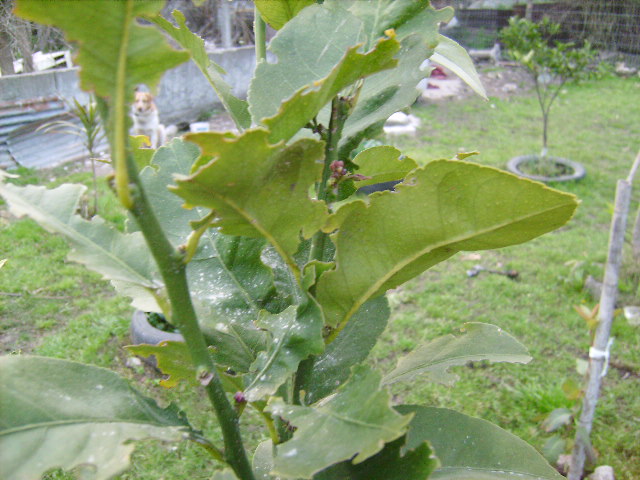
x,y
339,114
173,269
260,38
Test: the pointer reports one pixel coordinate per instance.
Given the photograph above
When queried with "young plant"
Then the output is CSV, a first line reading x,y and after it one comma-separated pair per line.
x,y
90,131
272,269
551,64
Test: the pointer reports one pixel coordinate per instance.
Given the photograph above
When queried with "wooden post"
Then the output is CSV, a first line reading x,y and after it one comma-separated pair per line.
x,y
528,13
224,22
599,351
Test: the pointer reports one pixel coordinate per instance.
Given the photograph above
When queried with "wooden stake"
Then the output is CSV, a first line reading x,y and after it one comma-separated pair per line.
x,y
599,351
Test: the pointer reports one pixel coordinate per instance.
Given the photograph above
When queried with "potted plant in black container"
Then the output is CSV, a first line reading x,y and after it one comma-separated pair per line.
x,y
551,66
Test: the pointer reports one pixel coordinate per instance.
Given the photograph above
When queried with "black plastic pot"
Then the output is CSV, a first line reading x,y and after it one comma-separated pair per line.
x,y
142,332
578,170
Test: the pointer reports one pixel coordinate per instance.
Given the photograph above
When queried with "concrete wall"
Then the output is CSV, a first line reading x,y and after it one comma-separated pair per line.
x,y
184,92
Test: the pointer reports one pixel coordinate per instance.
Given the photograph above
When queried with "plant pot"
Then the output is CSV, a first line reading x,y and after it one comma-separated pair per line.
x,y
142,332
575,170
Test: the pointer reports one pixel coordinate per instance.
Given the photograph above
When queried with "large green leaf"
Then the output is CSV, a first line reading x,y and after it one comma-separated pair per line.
x,y
418,17
416,26
352,346
257,189
226,272
237,108
383,164
336,64
378,16
473,449
122,258
394,462
385,93
443,208
278,12
321,38
116,52
479,341
355,423
450,54
57,413
229,283
308,102
405,18
295,334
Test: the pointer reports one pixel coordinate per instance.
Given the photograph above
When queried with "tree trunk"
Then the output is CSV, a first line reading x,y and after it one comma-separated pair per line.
x,y
23,42
6,57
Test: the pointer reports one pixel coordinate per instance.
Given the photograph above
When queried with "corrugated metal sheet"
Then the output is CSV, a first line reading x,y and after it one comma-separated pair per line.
x,y
21,143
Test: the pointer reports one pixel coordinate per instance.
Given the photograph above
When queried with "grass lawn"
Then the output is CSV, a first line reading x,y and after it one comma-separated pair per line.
x,y
50,306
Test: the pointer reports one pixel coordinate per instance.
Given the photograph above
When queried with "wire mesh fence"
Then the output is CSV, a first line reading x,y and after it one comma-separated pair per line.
x,y
612,26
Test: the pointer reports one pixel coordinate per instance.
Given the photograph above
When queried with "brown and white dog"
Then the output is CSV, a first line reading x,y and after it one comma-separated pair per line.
x,y
146,120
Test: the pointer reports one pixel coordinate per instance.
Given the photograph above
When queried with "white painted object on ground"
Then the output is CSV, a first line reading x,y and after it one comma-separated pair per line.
x,y
199,127
603,472
632,314
400,123
45,61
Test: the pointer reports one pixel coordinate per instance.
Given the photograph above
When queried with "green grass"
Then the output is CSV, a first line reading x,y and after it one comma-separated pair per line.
x,y
52,307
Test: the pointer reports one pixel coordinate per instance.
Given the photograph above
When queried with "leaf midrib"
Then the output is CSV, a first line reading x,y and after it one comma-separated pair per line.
x,y
60,423
254,222
460,358
84,241
493,470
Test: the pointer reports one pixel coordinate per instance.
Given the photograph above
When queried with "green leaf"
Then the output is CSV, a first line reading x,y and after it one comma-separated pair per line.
x,y
480,341
406,18
383,164
141,155
265,196
174,361
57,413
451,55
228,281
416,26
262,462
237,108
553,448
296,112
336,64
111,43
354,424
122,258
558,418
473,449
392,463
321,38
278,12
352,346
440,209
226,474
295,333
385,93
